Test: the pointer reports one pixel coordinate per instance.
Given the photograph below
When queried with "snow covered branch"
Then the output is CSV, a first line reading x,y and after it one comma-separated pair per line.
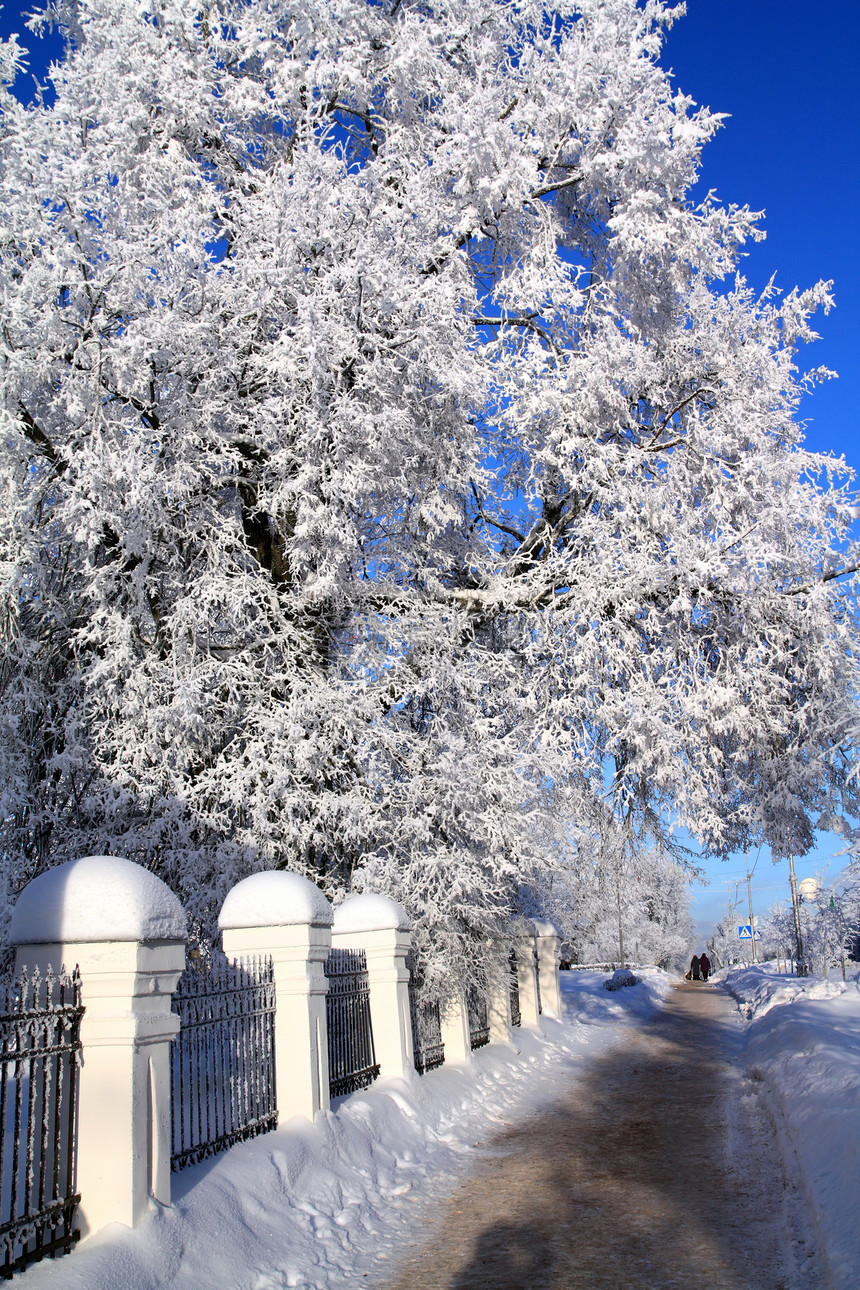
x,y
390,447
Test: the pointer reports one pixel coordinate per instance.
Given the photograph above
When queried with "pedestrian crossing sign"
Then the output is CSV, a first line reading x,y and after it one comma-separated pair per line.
x,y
745,932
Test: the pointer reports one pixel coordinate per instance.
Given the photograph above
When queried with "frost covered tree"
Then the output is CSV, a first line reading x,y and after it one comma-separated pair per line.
x,y
724,944
390,451
829,922
616,900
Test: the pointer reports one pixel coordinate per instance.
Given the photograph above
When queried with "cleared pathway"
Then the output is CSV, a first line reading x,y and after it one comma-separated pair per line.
x,y
656,1169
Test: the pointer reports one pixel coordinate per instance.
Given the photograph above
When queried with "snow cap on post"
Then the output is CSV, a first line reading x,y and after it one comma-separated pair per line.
x,y
370,913
544,928
97,898
274,898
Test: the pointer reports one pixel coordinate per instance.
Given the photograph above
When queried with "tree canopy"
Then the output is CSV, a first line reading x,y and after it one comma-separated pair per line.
x,y
394,460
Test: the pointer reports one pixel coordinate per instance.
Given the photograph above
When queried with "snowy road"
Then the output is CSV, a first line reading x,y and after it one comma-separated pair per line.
x,y
656,1168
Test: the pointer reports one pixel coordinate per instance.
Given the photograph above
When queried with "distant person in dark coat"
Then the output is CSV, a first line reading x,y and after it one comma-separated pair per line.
x,y
704,966
693,974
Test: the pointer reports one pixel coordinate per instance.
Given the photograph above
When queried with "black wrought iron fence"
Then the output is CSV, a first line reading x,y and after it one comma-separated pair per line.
x,y
351,1058
40,1046
516,1015
428,1050
223,1059
479,1024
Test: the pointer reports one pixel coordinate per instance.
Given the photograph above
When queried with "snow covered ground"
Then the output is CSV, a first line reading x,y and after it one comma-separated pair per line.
x,y
803,1042
328,1205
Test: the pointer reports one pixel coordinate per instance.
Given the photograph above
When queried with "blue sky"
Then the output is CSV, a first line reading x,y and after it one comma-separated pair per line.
x,y
787,75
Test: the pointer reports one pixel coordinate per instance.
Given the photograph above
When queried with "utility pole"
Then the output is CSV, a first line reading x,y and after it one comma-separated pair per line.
x,y
795,901
749,900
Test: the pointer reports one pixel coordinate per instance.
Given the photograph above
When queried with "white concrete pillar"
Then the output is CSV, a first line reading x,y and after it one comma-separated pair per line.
x,y
381,928
285,916
125,930
527,979
455,1031
499,1005
548,940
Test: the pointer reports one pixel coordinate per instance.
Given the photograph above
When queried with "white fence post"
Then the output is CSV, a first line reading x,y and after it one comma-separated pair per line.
x,y
499,1005
527,980
381,928
285,916
454,1017
548,939
125,930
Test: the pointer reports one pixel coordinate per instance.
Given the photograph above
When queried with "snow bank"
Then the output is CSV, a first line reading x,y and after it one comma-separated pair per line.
x,y
97,898
588,990
758,989
274,899
803,1041
331,1205
370,913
